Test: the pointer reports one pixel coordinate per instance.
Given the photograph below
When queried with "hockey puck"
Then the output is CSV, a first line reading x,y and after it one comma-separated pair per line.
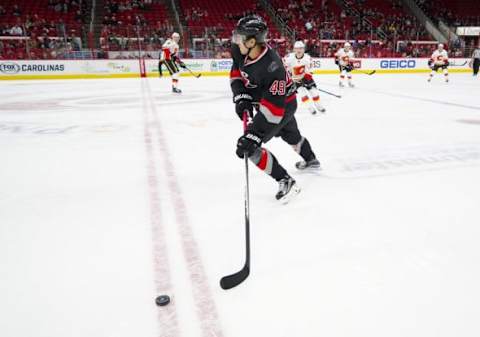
x,y
162,300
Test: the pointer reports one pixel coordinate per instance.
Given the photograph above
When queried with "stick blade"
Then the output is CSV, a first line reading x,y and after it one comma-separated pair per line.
x,y
231,281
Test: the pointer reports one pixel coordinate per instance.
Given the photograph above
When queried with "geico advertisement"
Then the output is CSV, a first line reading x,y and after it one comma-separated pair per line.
x,y
399,64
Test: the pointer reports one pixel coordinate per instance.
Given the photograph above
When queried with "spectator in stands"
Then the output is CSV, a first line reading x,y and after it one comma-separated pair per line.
x,y
45,42
58,7
16,30
3,30
308,26
16,11
2,10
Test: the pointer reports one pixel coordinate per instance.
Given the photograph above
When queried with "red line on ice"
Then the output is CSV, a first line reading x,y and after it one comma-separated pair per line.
x,y
205,305
167,316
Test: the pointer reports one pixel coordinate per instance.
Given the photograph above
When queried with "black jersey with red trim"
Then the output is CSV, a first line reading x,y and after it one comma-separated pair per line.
x,y
266,80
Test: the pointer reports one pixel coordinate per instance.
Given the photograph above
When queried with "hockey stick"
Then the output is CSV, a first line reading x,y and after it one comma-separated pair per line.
x,y
160,72
369,73
459,65
233,280
329,93
191,72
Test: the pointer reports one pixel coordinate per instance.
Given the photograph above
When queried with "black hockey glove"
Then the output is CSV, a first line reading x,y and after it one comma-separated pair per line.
x,y
243,102
182,64
248,144
337,62
308,83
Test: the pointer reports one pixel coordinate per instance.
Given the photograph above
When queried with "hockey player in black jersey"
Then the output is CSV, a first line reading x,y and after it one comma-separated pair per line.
x,y
260,82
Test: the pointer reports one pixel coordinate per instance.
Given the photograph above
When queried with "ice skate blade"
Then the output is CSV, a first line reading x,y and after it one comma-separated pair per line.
x,y
291,195
314,168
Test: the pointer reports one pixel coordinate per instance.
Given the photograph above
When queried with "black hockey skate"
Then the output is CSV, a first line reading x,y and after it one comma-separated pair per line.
x,y
176,90
287,189
312,164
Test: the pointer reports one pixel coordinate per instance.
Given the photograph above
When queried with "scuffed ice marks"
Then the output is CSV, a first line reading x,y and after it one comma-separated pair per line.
x,y
18,128
405,160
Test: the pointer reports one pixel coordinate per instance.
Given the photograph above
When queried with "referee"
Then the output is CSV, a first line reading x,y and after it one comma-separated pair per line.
x,y
476,61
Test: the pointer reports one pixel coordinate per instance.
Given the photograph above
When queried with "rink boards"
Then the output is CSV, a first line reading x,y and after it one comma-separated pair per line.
x,y
62,69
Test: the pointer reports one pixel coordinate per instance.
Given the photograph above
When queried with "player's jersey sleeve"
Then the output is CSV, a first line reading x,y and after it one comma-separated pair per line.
x,y
236,79
275,88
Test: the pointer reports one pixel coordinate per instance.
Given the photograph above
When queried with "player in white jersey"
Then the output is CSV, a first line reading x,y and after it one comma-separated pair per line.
x,y
344,58
439,60
475,61
169,57
299,65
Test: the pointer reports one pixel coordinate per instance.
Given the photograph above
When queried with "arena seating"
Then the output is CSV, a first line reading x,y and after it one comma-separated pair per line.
x,y
391,18
323,24
330,22
324,16
36,14
219,16
130,19
453,12
43,21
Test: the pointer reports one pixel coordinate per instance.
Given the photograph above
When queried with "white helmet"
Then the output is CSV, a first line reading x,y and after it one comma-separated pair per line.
x,y
299,44
176,36
347,45
440,46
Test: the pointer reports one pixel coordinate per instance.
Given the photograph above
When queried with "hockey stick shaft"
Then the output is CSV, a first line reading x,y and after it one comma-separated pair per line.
x,y
233,280
247,198
458,65
369,73
329,93
191,72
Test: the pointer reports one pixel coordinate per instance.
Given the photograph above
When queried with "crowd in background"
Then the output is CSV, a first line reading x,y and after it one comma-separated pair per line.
x,y
41,36
437,11
128,25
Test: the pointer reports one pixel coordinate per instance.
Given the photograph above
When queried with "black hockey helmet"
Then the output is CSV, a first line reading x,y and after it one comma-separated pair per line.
x,y
250,26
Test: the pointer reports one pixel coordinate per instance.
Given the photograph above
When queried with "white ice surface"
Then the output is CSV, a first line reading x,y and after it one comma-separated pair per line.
x,y
384,242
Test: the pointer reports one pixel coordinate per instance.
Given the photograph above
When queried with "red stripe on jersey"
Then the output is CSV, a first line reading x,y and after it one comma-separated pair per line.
x,y
262,164
290,98
235,73
275,110
304,98
308,76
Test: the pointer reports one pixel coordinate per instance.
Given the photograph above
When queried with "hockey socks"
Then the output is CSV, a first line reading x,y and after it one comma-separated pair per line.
x,y
267,162
304,149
